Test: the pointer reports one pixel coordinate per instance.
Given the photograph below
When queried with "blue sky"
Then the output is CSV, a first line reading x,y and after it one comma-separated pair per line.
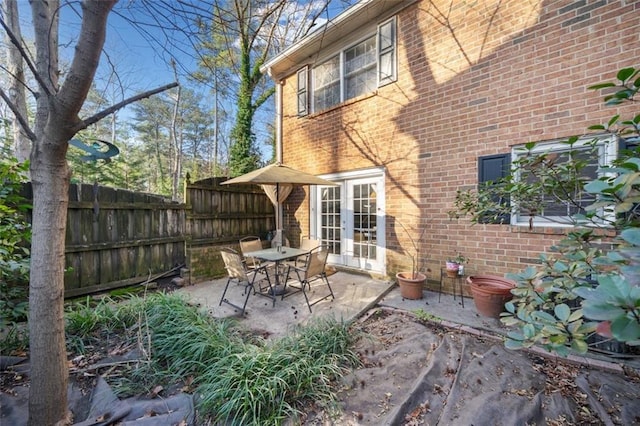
x,y
139,51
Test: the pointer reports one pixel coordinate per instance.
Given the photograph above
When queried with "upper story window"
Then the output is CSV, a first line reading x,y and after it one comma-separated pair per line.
x,y
326,84
551,205
360,69
352,72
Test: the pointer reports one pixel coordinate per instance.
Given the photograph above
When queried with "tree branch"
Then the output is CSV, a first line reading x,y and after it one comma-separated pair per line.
x,y
26,57
102,114
22,120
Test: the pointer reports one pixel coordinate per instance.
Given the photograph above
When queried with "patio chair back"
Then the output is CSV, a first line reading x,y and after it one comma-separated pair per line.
x,y
307,243
316,263
249,244
233,264
312,270
238,271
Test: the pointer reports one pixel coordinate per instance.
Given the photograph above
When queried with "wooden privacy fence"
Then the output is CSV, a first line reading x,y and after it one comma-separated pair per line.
x,y
117,238
219,215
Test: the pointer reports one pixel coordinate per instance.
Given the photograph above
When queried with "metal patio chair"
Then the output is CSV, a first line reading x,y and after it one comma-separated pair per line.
x,y
313,269
237,271
249,244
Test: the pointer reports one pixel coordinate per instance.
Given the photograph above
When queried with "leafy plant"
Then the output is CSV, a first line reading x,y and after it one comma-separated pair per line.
x,y
425,316
15,340
459,259
15,237
590,280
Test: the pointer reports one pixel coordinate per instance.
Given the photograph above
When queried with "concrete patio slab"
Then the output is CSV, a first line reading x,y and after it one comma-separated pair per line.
x,y
354,295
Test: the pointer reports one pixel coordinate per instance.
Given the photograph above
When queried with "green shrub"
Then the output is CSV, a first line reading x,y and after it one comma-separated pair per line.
x,y
239,378
15,238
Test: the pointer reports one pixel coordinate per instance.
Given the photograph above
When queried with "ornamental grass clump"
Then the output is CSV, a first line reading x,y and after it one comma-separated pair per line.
x,y
238,378
267,384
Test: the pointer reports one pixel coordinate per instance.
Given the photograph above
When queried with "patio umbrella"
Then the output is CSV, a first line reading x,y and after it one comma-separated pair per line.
x,y
280,177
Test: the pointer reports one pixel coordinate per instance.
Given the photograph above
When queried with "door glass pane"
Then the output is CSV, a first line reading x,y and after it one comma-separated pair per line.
x,y
364,221
330,214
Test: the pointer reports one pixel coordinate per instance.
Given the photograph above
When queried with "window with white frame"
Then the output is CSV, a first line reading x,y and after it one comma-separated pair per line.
x,y
326,84
387,52
360,68
356,70
553,206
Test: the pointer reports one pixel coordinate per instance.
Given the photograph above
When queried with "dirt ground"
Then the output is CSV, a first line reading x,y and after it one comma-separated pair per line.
x,y
415,374
412,374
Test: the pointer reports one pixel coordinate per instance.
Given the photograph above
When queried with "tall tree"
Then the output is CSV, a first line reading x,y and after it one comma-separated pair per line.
x,y
57,120
242,34
152,124
15,68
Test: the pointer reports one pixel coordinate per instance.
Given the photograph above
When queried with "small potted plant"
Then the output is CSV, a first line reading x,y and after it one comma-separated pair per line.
x,y
453,264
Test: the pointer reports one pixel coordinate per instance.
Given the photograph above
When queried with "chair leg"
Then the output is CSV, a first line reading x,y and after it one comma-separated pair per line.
x,y
264,270
226,287
302,284
247,293
323,278
326,280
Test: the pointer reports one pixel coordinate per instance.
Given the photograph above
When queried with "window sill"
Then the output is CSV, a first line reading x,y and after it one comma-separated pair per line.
x,y
558,229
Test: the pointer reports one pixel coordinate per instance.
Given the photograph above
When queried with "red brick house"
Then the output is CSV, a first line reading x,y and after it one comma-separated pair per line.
x,y
405,102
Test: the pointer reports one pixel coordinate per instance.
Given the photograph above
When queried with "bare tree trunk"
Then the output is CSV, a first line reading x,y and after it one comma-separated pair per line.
x,y
56,117
21,142
217,123
48,390
177,147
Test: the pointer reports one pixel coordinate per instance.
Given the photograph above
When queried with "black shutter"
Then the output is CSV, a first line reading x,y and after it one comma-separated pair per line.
x,y
303,91
491,169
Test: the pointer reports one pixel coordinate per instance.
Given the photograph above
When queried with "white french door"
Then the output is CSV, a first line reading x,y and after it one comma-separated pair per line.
x,y
349,219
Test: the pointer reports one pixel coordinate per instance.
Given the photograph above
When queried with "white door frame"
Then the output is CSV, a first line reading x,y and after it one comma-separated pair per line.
x,y
346,181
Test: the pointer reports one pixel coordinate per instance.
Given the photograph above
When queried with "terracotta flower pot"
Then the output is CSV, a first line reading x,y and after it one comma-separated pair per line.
x,y
411,288
490,293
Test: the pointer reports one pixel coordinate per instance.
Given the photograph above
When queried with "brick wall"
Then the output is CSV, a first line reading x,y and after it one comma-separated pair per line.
x,y
473,82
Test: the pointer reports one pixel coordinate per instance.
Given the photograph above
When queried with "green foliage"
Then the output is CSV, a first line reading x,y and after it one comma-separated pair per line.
x,y
538,182
425,316
264,384
240,378
15,340
15,238
590,280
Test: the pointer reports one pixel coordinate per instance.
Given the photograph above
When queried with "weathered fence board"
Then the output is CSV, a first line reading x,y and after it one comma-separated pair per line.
x,y
227,212
218,216
117,237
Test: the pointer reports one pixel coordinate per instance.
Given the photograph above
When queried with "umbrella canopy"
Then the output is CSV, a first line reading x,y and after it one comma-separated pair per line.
x,y
283,178
277,173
